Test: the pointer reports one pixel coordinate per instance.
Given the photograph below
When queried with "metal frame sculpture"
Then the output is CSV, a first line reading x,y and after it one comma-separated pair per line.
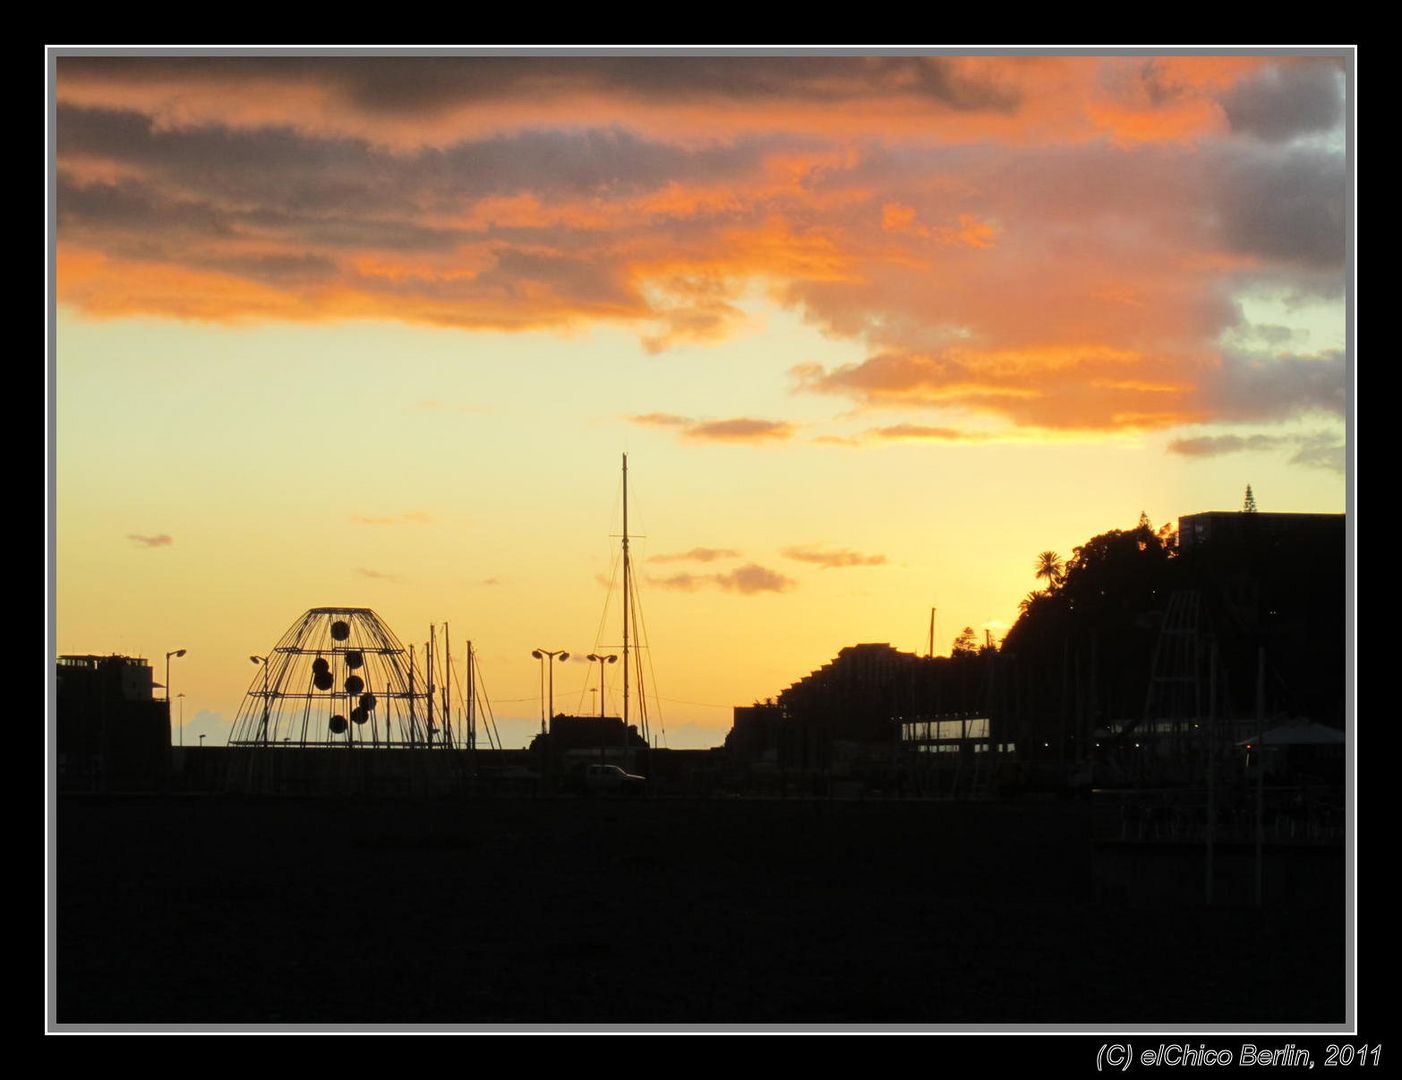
x,y
338,678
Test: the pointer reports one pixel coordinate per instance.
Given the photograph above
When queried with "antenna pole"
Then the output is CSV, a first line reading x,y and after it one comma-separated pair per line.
x,y
627,589
471,714
931,652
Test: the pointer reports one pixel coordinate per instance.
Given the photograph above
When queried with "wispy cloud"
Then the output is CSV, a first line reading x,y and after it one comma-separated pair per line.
x,y
904,433
742,429
747,580
490,581
375,575
412,517
699,554
1322,449
830,560
161,540
753,578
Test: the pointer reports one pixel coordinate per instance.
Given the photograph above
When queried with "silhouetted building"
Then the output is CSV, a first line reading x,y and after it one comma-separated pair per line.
x,y
112,735
871,702
754,732
591,733
1219,526
1274,582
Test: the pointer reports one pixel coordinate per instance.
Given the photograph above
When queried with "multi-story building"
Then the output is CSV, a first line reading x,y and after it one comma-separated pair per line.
x,y
112,733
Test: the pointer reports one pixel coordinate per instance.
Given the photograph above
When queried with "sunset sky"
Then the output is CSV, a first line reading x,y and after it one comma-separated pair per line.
x,y
873,331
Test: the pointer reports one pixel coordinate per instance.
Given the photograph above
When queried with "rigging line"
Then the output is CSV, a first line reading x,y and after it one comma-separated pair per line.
x,y
599,632
494,739
652,671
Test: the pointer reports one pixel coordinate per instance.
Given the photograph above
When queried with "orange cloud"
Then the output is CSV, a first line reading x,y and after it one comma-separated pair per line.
x,y
1056,242
739,429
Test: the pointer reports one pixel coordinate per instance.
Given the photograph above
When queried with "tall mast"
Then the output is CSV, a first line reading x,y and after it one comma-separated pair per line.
x,y
470,716
447,688
627,589
932,633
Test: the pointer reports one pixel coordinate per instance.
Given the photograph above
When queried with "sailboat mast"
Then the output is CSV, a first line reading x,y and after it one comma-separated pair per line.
x,y
627,590
470,717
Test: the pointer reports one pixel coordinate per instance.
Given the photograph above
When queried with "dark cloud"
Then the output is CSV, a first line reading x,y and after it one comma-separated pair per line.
x,y
1253,387
1284,205
700,554
162,540
417,85
1300,97
830,560
1215,445
299,171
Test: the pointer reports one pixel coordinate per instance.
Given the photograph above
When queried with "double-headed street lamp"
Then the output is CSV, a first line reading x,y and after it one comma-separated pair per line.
x,y
545,656
264,661
601,661
173,652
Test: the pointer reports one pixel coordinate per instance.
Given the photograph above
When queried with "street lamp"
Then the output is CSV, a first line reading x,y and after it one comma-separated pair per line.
x,y
542,655
173,652
264,661
601,661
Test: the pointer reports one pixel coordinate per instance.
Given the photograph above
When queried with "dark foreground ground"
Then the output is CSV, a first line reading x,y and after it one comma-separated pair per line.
x,y
214,909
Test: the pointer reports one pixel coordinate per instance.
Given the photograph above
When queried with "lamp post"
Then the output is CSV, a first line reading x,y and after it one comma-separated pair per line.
x,y
545,656
263,660
173,652
601,661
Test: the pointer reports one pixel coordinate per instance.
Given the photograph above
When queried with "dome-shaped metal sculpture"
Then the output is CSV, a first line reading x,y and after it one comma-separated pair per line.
x,y
335,663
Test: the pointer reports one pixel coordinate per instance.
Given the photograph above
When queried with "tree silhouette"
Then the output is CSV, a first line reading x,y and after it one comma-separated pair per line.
x,y
1050,566
966,644
1249,505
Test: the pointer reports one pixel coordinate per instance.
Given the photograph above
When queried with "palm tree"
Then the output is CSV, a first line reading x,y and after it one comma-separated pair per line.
x,y
1050,566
